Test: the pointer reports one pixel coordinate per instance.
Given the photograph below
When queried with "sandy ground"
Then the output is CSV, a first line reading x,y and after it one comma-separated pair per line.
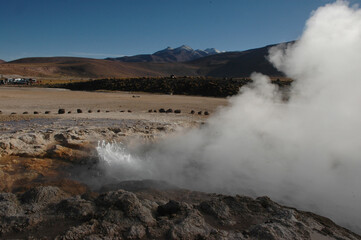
x,y
14,101
72,137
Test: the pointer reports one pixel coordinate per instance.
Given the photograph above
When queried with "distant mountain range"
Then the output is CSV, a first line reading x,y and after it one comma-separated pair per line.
x,y
2,61
181,54
182,61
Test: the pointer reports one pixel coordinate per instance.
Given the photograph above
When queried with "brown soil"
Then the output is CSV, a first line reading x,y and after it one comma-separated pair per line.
x,y
123,116
19,100
91,68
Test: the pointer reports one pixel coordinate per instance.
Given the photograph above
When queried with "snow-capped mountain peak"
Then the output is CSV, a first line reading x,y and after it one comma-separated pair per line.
x,y
185,47
212,51
183,53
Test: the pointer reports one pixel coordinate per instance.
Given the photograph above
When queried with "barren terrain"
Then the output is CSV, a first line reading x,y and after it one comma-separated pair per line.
x,y
44,159
20,100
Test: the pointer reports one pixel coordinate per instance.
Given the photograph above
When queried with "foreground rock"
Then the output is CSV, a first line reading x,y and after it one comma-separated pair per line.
x,y
48,213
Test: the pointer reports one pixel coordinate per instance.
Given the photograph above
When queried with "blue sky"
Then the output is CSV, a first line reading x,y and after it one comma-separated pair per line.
x,y
102,28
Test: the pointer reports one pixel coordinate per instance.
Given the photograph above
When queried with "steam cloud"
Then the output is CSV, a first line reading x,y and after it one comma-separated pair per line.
x,y
305,153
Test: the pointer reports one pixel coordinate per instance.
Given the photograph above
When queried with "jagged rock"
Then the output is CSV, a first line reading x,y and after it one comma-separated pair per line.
x,y
172,207
193,226
30,139
76,207
128,203
9,205
4,145
81,231
61,137
40,197
136,232
69,154
216,208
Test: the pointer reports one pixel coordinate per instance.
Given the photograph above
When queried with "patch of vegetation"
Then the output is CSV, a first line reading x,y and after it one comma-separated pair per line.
x,y
202,86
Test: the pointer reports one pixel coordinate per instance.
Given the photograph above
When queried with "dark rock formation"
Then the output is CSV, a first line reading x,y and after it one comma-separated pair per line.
x,y
162,110
61,111
177,111
79,110
43,196
172,207
50,213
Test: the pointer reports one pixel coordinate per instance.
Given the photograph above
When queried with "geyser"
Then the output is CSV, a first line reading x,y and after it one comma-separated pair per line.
x,y
304,153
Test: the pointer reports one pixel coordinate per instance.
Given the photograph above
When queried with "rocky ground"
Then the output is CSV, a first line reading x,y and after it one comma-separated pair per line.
x,y
47,212
43,197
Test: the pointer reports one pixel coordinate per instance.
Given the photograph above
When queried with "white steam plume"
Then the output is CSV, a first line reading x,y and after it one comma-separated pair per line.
x,y
306,152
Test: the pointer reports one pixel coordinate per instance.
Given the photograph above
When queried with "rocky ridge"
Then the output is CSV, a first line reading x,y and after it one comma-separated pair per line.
x,y
181,54
149,215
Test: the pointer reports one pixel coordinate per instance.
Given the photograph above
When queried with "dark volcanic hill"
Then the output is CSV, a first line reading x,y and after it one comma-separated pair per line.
x,y
1,61
236,64
180,54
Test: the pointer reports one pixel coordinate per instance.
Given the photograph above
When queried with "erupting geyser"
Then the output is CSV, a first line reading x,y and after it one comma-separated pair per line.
x,y
305,153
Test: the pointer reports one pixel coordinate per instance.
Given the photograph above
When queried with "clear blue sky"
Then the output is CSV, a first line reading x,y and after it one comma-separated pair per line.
x,y
108,28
